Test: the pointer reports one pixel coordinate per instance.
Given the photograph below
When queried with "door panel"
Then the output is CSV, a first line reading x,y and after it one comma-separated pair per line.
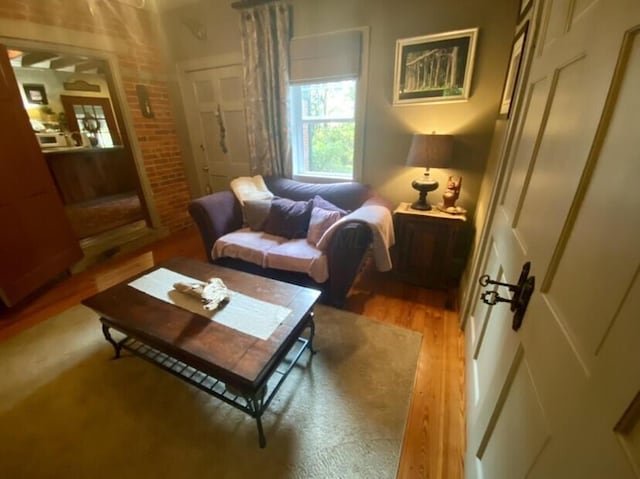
x,y
521,403
560,397
534,111
598,249
37,242
215,113
481,314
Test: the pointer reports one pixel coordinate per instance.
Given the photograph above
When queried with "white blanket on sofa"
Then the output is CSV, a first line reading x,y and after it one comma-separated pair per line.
x,y
381,223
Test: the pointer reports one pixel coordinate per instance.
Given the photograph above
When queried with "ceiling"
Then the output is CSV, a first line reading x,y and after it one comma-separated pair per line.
x,y
162,5
21,58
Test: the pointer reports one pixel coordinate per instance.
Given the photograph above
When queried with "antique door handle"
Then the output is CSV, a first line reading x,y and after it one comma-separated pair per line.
x,y
522,292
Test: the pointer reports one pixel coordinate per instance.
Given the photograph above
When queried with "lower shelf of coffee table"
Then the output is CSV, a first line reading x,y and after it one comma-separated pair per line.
x,y
253,406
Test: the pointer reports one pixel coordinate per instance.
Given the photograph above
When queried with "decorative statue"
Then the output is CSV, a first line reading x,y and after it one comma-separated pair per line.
x,y
452,192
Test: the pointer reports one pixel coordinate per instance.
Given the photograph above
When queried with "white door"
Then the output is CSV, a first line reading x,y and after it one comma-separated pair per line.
x,y
560,398
215,116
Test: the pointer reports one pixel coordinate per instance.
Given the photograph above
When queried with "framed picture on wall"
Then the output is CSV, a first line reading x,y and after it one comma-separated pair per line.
x,y
525,5
434,68
513,73
35,93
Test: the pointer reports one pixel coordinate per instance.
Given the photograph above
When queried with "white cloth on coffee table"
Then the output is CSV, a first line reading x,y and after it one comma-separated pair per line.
x,y
243,313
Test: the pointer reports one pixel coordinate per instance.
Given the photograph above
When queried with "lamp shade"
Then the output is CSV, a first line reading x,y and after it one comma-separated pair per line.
x,y
430,151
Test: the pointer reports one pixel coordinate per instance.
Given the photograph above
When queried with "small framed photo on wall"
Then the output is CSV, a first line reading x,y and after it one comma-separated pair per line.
x,y
525,5
434,68
35,93
515,65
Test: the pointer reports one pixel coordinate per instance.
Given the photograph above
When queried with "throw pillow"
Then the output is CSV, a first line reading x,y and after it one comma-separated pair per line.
x,y
288,218
320,202
320,222
255,213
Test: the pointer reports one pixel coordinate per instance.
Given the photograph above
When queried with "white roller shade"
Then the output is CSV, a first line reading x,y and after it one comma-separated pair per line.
x,y
325,57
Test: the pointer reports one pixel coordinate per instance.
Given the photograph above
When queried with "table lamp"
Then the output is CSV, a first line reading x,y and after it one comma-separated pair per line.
x,y
429,151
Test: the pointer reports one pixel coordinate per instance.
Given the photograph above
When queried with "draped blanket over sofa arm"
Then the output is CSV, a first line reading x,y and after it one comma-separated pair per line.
x,y
219,214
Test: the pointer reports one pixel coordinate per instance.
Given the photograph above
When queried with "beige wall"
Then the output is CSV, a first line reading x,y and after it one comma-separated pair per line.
x,y
388,129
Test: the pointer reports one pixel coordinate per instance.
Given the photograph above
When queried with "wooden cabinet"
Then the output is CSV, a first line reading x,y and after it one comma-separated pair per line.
x,y
85,174
431,247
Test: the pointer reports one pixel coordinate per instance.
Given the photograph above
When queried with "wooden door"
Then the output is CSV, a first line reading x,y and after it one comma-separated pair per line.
x,y
37,242
215,114
93,116
560,397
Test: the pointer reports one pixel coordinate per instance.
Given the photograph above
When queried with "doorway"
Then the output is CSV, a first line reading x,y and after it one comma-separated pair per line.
x,y
75,115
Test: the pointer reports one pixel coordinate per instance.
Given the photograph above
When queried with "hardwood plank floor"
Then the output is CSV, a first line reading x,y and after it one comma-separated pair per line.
x,y
434,440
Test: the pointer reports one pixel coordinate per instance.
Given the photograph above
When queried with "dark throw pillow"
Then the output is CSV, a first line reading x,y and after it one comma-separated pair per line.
x,y
288,218
320,202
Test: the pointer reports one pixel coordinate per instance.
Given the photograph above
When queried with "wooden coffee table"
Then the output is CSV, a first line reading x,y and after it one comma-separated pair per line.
x,y
240,369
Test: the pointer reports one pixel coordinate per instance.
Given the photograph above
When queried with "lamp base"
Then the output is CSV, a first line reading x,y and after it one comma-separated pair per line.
x,y
423,186
421,205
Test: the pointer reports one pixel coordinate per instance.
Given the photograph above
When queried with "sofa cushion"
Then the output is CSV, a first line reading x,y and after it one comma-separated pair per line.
x,y
288,218
247,245
320,222
269,251
255,213
298,255
320,202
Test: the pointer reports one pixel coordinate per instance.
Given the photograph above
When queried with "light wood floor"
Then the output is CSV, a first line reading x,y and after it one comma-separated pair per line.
x,y
434,440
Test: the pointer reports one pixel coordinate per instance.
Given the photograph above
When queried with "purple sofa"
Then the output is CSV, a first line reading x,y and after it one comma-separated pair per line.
x,y
220,213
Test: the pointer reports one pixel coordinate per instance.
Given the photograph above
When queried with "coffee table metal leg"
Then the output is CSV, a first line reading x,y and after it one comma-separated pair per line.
x,y
312,331
255,406
262,441
107,336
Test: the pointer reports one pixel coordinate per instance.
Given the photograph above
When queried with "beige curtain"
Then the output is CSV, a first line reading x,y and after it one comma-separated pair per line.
x,y
265,46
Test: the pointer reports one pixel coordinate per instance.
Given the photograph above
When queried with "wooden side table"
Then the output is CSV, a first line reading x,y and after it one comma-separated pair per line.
x,y
430,249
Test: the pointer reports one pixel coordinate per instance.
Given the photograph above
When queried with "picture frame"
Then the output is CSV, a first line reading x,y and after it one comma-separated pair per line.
x,y
525,5
35,93
513,73
434,68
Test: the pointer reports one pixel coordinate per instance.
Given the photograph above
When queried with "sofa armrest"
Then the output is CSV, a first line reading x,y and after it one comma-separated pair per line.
x,y
216,215
345,253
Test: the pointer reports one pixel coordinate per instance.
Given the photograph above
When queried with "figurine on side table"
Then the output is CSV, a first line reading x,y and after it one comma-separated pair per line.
x,y
451,195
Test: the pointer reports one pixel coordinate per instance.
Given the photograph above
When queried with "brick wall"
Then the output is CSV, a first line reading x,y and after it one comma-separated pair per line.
x,y
141,62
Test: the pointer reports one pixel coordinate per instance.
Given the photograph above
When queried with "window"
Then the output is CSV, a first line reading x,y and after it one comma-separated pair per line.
x,y
326,100
92,115
323,125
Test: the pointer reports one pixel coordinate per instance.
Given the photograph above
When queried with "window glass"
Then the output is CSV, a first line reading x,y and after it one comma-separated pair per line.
x,y
101,133
323,128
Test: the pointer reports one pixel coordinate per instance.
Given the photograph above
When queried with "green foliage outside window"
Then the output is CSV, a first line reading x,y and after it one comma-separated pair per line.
x,y
332,147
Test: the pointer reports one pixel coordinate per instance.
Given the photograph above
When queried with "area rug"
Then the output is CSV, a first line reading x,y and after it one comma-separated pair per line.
x,y
68,410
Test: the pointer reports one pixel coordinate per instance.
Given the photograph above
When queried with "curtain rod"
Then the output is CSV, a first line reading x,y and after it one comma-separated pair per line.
x,y
249,3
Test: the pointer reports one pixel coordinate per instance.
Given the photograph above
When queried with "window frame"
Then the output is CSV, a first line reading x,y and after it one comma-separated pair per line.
x,y
359,117
297,134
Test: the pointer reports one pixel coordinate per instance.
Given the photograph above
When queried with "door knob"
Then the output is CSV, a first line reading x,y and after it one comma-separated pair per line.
x,y
522,292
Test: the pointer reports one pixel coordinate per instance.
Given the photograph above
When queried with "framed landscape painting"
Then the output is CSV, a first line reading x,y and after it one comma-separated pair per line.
x,y
514,71
434,68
